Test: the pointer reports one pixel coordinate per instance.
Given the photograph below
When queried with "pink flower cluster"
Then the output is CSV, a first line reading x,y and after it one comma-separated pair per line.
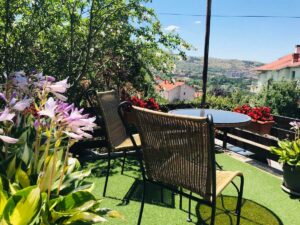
x,y
38,83
256,113
70,119
29,95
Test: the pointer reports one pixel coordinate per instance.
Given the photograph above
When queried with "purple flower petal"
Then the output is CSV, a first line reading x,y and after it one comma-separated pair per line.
x,y
3,97
49,109
9,140
73,135
6,116
21,105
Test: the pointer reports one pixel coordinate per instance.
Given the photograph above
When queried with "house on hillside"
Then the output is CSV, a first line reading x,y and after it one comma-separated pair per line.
x,y
175,91
285,68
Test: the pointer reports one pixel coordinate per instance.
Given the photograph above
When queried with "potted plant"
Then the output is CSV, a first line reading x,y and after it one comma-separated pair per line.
x,y
261,118
289,156
136,101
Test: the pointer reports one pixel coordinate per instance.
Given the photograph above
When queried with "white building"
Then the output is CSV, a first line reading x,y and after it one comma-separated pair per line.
x,y
175,91
285,68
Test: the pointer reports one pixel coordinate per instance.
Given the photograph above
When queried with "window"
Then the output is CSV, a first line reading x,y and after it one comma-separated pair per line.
x,y
293,75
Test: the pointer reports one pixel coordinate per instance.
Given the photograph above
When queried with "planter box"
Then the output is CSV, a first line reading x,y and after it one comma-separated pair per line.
x,y
260,127
291,179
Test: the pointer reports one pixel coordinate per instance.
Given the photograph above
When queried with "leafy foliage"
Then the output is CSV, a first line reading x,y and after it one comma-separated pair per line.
x,y
288,151
108,42
37,174
282,97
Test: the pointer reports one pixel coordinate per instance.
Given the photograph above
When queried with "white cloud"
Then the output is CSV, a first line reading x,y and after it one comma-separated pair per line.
x,y
172,28
198,22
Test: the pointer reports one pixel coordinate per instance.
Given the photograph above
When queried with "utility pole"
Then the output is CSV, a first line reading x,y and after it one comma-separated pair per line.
x,y
206,53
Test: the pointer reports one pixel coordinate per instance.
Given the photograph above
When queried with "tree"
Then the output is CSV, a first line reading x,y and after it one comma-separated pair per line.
x,y
282,97
110,42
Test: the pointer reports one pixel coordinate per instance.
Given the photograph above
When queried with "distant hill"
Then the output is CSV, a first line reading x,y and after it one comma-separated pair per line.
x,y
230,68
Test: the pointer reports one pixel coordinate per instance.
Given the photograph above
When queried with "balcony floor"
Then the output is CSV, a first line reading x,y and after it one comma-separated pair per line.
x,y
264,201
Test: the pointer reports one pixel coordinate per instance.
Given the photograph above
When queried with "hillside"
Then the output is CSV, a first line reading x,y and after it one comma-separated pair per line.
x,y
192,67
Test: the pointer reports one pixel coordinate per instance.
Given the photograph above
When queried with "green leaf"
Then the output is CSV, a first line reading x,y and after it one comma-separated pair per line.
x,y
85,217
22,177
3,201
23,207
11,168
45,179
26,155
74,200
70,178
276,151
296,147
13,188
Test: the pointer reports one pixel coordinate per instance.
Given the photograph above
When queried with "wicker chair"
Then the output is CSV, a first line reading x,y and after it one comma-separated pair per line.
x,y
116,134
179,152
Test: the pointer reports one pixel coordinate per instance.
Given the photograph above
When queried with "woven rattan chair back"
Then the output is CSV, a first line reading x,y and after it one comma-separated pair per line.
x,y
177,150
109,102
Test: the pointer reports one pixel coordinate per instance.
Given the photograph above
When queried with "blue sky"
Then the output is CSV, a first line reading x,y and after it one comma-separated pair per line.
x,y
258,39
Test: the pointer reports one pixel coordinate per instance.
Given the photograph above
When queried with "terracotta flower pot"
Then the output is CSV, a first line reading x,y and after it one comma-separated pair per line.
x,y
260,127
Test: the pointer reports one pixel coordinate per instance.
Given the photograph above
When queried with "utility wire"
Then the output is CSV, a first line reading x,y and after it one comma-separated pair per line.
x,y
230,16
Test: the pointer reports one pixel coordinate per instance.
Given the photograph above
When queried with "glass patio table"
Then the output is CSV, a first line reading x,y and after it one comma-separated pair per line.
x,y
222,119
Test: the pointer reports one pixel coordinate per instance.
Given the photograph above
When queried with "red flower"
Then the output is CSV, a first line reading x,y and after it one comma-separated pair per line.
x,y
256,113
149,104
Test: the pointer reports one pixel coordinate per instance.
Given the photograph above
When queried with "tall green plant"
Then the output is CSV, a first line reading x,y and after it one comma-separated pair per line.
x,y
37,173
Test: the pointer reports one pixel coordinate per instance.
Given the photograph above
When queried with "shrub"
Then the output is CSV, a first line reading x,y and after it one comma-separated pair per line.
x,y
282,97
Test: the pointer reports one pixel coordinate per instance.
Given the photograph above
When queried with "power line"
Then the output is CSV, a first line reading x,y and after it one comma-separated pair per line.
x,y
230,16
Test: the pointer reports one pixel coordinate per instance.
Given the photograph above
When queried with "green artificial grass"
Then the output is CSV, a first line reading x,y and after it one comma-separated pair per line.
x,y
264,202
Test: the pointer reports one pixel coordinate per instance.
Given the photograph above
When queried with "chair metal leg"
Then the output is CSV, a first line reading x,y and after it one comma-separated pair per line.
x,y
107,175
239,202
123,163
189,219
213,213
180,199
142,203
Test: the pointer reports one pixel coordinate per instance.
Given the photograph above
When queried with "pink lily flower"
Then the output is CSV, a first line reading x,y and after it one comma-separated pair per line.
x,y
6,116
20,80
7,139
60,96
75,115
41,77
295,125
3,97
21,105
73,135
85,124
60,86
49,109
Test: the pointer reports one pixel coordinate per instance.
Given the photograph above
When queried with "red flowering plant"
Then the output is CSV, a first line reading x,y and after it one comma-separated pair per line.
x,y
256,113
148,104
136,101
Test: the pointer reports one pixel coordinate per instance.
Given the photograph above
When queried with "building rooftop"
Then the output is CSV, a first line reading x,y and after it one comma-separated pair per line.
x,y
287,61
166,85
